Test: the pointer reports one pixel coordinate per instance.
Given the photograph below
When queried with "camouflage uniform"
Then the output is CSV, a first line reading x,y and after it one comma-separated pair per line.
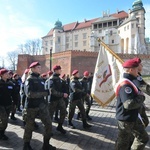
x,y
56,101
75,97
127,110
86,98
36,104
143,86
7,94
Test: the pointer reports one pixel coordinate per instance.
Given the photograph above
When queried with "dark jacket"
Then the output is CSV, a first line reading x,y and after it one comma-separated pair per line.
x,y
17,85
128,102
76,90
7,93
35,91
56,87
85,85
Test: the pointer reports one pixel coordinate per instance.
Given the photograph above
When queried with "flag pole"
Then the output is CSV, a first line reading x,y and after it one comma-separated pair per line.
x,y
117,57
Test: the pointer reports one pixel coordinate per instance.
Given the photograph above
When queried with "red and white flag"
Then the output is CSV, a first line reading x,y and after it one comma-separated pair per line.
x,y
108,72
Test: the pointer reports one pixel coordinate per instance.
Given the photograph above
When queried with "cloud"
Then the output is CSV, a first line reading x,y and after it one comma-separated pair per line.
x,y
17,27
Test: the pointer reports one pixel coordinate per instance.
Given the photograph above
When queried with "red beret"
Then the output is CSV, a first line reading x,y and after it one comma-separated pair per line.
x,y
3,71
131,63
56,67
43,74
50,72
138,60
75,72
63,75
34,64
86,73
10,72
15,75
26,71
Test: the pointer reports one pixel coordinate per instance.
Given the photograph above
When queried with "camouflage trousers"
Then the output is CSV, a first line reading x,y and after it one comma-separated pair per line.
x,y
125,133
58,105
4,114
31,114
87,103
72,107
144,116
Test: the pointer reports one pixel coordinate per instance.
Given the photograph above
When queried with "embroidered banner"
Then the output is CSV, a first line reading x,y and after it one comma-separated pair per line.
x,y
108,72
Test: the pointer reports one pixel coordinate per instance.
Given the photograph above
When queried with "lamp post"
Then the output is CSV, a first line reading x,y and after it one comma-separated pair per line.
x,y
50,62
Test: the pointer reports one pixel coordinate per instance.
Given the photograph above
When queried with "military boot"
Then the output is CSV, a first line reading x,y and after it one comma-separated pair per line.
x,y
60,128
47,146
3,136
27,146
78,116
86,125
13,117
87,116
71,125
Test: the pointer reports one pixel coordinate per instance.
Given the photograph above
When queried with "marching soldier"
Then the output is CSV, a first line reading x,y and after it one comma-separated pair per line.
x,y
86,98
44,76
75,97
129,101
36,104
7,94
16,83
54,83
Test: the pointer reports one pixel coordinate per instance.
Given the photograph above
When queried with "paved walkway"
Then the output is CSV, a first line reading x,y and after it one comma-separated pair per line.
x,y
101,136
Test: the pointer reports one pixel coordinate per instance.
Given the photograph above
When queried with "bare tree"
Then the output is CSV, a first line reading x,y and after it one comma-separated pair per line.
x,y
32,47
12,58
27,47
21,48
2,62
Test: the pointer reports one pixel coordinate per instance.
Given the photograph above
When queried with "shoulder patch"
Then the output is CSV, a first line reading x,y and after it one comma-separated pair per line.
x,y
139,78
73,83
128,90
51,82
26,82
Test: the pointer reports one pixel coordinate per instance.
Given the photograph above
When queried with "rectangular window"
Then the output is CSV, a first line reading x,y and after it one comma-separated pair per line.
x,y
95,26
112,41
132,25
67,39
104,25
100,31
76,37
58,39
124,28
84,35
100,25
128,27
76,44
46,43
109,24
67,46
51,42
114,23
84,43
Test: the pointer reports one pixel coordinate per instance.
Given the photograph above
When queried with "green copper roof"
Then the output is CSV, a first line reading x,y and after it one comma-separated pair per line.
x,y
58,25
137,4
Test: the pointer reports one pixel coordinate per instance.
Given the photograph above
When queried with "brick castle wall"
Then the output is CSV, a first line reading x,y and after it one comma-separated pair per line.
x,y
70,60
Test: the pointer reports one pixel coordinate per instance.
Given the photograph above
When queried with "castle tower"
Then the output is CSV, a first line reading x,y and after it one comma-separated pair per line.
x,y
138,11
57,37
